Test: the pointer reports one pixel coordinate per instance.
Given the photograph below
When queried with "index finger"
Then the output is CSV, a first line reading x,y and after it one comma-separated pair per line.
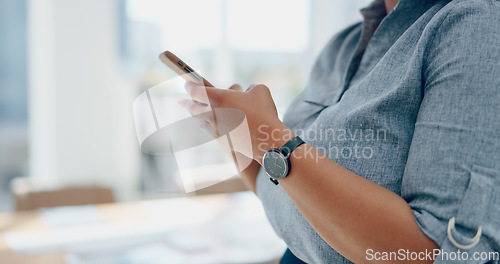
x,y
197,92
213,96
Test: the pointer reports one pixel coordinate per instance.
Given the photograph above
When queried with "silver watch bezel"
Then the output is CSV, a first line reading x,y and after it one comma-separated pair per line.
x,y
267,167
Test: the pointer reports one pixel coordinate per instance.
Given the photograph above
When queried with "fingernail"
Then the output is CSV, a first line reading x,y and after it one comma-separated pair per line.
x,y
204,124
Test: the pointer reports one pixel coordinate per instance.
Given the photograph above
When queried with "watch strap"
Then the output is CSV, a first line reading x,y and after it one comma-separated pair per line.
x,y
276,182
291,145
287,149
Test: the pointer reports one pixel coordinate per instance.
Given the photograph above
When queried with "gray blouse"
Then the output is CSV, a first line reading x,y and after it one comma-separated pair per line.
x,y
410,101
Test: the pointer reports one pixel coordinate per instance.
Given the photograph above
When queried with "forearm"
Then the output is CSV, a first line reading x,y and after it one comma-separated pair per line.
x,y
350,213
249,174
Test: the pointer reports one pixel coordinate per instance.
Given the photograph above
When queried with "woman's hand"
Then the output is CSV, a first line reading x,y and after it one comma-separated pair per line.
x,y
250,116
351,220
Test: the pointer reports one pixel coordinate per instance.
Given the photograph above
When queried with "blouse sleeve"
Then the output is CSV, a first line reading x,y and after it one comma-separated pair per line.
x,y
452,179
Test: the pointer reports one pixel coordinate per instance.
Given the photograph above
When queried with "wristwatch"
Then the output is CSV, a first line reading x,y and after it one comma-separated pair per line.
x,y
276,162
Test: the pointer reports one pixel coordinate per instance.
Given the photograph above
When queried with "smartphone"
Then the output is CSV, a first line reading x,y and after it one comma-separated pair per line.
x,y
190,75
183,69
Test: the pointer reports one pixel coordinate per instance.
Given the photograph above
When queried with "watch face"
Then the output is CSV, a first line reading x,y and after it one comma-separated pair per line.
x,y
275,164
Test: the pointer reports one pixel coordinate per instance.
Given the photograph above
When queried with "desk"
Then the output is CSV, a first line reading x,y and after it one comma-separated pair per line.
x,y
23,222
204,229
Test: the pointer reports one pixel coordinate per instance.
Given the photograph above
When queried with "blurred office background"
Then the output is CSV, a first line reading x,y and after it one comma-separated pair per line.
x,y
71,69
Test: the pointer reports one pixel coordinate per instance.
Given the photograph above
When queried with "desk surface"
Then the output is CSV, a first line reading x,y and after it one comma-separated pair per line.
x,y
215,219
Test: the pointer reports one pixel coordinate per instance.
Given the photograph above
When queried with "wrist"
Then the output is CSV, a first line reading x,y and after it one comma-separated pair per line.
x,y
271,136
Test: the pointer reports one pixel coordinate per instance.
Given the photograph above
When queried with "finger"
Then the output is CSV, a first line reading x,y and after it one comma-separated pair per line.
x,y
214,97
197,92
250,87
196,109
236,87
207,126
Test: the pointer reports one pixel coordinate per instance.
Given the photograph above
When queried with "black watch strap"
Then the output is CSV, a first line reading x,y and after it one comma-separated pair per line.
x,y
291,145
287,149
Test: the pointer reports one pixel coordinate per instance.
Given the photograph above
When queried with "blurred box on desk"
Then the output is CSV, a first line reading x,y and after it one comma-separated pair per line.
x,y
26,197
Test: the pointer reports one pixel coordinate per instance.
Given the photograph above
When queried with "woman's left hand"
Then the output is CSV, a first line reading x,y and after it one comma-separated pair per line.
x,y
250,116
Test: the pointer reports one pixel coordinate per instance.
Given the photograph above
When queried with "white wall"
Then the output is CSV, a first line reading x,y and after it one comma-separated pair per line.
x,y
81,129
330,17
